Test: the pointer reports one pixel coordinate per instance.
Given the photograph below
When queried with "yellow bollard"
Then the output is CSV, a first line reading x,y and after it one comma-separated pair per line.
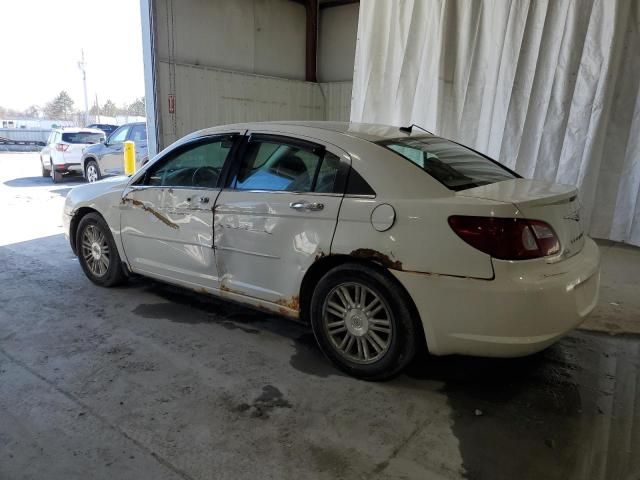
x,y
129,158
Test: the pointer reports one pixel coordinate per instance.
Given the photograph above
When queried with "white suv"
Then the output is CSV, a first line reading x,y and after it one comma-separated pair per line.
x,y
63,152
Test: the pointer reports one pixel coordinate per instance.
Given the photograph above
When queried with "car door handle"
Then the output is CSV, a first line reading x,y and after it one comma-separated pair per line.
x,y
203,199
304,205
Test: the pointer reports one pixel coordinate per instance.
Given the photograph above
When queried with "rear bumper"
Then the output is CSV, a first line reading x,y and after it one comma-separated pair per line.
x,y
68,167
525,308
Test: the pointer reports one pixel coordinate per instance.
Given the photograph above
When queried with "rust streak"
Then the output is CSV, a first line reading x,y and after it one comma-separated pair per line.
x,y
378,257
293,303
156,214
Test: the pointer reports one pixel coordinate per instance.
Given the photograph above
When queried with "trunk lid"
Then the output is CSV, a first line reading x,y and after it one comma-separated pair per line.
x,y
553,203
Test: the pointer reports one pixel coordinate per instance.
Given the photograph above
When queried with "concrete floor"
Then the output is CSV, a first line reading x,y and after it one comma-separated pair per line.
x,y
149,381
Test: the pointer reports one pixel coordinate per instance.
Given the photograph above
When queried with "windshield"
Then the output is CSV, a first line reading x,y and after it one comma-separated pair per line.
x,y
82,137
453,165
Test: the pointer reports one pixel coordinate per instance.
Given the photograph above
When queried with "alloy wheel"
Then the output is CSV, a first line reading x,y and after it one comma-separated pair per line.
x,y
95,250
358,322
92,174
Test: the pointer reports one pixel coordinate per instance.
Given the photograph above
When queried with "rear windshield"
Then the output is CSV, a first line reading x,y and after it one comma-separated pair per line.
x,y
453,165
82,137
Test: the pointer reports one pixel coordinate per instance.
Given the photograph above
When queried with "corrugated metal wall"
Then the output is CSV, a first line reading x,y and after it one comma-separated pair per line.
x,y
206,97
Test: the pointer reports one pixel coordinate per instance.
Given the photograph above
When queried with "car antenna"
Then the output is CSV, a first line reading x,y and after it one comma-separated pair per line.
x,y
410,127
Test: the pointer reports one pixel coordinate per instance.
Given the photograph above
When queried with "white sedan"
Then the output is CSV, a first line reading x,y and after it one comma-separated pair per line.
x,y
383,239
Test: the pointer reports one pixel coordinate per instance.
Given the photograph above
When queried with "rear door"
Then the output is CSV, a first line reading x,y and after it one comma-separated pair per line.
x,y
112,160
277,215
167,219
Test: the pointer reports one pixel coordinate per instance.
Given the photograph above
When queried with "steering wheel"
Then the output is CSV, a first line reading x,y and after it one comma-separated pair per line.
x,y
205,176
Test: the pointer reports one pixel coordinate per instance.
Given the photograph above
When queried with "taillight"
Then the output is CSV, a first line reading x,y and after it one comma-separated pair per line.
x,y
62,147
507,238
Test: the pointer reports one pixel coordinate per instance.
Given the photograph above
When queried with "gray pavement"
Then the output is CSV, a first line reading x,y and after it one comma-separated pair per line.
x,y
150,381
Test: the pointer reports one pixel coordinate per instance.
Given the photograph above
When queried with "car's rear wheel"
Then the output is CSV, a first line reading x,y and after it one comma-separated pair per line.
x,y
56,176
362,323
92,171
45,172
97,252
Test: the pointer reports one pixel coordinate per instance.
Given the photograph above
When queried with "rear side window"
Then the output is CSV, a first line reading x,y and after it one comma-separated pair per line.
x,y
82,137
274,166
453,165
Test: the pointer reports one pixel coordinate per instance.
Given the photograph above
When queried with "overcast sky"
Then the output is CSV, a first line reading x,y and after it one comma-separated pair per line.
x,y
41,44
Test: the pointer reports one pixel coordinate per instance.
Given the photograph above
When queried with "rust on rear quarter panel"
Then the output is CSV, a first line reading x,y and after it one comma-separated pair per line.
x,y
378,257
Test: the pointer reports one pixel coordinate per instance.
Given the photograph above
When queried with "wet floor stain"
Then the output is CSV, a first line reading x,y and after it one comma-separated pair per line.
x,y
180,314
559,414
309,359
270,399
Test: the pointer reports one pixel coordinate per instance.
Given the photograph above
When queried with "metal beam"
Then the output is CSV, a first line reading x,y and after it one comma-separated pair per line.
x,y
312,40
336,3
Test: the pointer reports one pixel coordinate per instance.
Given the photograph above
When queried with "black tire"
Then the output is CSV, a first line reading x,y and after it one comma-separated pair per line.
x,y
114,273
401,344
56,176
92,164
45,172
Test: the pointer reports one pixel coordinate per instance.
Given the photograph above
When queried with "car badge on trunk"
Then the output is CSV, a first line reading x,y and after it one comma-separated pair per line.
x,y
575,216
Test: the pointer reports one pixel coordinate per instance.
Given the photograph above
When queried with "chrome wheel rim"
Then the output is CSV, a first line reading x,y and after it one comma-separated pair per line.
x,y
95,251
92,174
358,323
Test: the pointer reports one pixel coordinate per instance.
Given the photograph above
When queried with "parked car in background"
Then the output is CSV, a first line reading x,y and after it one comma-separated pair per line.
x,y
63,152
105,127
382,239
108,158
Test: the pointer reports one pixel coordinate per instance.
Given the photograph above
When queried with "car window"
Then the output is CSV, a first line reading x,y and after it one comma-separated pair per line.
x,y
199,166
82,137
138,133
453,165
273,166
52,136
119,135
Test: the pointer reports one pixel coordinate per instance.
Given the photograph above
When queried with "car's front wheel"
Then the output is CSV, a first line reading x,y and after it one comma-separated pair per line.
x,y
92,171
362,322
97,252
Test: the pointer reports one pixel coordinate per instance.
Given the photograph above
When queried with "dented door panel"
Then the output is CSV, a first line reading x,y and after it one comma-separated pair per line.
x,y
264,247
168,232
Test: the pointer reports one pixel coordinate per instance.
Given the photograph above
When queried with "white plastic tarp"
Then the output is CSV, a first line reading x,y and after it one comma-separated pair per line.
x,y
551,88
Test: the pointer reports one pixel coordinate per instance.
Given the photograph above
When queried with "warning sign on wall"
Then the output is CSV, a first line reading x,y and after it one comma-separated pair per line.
x,y
172,103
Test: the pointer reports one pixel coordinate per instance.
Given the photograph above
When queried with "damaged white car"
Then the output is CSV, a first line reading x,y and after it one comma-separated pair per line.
x,y
383,239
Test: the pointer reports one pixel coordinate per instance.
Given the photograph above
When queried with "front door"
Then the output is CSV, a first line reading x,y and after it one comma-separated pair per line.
x,y
277,216
167,219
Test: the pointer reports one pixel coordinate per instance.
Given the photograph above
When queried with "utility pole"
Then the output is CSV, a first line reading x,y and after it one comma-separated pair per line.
x,y
82,65
97,107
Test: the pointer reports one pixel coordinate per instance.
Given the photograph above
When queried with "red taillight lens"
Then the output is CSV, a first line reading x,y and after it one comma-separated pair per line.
x,y
62,147
507,238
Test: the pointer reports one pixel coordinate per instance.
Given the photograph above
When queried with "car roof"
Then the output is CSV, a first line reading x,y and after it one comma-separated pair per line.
x,y
79,129
366,131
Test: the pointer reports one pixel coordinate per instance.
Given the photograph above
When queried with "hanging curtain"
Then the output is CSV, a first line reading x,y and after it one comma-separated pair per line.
x,y
549,88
